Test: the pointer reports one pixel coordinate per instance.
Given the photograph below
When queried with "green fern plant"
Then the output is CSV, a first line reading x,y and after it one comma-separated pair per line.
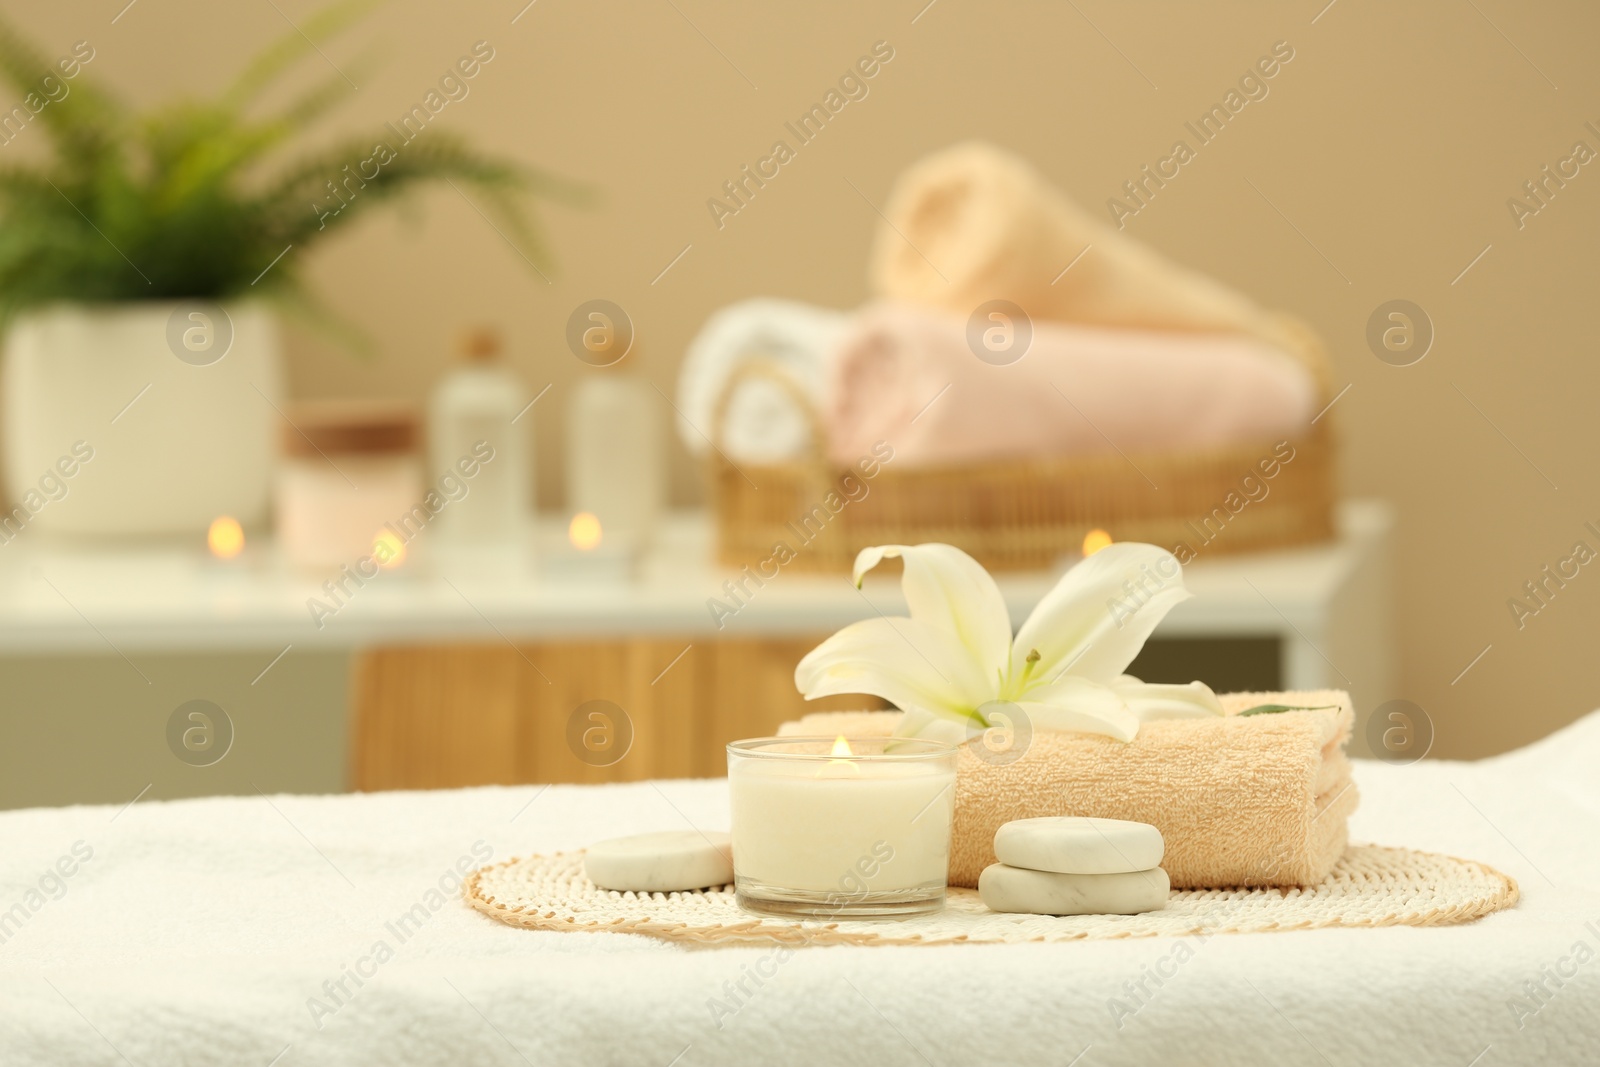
x,y
175,203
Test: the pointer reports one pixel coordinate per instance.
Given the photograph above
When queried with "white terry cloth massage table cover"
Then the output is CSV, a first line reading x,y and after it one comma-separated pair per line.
x,y
200,931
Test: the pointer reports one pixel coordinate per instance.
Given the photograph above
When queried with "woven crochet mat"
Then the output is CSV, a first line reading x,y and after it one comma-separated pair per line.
x,y
1371,886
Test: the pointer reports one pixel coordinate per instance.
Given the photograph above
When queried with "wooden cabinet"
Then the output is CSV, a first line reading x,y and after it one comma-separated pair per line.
x,y
442,716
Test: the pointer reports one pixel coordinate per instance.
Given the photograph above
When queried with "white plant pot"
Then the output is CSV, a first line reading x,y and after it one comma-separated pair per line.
x,y
176,399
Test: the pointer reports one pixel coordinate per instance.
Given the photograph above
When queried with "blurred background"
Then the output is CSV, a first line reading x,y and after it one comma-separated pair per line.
x,y
1381,165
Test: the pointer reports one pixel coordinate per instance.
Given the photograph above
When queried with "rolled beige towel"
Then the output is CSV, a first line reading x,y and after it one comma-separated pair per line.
x,y
1257,801
973,223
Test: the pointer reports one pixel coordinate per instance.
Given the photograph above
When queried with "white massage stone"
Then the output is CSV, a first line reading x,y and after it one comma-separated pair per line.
x,y
1004,888
668,862
1079,845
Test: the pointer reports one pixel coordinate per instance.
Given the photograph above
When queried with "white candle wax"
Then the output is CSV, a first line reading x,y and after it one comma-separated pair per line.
x,y
842,829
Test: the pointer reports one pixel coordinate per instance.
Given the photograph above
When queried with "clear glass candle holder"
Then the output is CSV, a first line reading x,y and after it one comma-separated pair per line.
x,y
841,828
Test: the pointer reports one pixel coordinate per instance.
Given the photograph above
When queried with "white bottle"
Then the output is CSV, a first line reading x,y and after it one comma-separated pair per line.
x,y
614,457
479,459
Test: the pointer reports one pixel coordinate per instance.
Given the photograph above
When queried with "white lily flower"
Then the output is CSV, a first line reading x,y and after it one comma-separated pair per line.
x,y
955,653
1153,700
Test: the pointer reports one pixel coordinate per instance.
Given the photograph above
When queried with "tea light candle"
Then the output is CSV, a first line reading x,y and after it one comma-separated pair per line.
x,y
837,828
591,554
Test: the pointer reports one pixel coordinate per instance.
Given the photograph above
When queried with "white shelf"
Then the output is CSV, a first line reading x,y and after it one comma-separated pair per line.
x,y
58,598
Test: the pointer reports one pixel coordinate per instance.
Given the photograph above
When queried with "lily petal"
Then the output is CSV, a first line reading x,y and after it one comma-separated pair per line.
x,y
917,722
948,589
1152,701
1098,616
1079,705
1084,719
904,661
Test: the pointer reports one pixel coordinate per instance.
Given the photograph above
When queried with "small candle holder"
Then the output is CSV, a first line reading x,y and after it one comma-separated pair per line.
x,y
591,555
841,828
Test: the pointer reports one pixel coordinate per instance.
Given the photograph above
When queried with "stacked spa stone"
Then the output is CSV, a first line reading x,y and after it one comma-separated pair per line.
x,y
1075,866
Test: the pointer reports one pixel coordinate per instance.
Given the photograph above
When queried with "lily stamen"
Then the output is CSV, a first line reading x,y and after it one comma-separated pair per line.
x,y
1028,665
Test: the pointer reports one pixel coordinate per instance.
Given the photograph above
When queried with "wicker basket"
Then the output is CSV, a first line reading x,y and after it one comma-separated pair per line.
x,y
1021,514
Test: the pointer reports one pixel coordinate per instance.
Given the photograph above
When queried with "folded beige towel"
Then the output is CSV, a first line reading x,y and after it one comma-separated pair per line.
x,y
1255,801
974,223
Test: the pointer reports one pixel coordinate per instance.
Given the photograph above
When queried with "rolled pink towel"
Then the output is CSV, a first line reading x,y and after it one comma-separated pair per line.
x,y
905,374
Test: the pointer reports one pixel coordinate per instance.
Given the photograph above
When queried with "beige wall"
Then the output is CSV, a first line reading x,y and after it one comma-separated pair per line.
x,y
1391,143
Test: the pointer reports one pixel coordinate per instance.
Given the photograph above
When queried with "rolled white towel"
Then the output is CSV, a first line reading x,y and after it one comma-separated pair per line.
x,y
762,423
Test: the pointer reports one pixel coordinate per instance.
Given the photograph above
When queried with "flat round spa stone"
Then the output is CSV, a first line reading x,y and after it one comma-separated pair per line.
x,y
1067,845
668,862
1004,888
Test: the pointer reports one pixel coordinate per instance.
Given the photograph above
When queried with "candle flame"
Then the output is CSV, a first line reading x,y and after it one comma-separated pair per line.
x,y
225,538
388,550
841,747
1094,541
584,531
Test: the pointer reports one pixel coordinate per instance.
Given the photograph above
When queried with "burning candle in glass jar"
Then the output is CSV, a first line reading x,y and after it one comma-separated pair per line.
x,y
836,827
